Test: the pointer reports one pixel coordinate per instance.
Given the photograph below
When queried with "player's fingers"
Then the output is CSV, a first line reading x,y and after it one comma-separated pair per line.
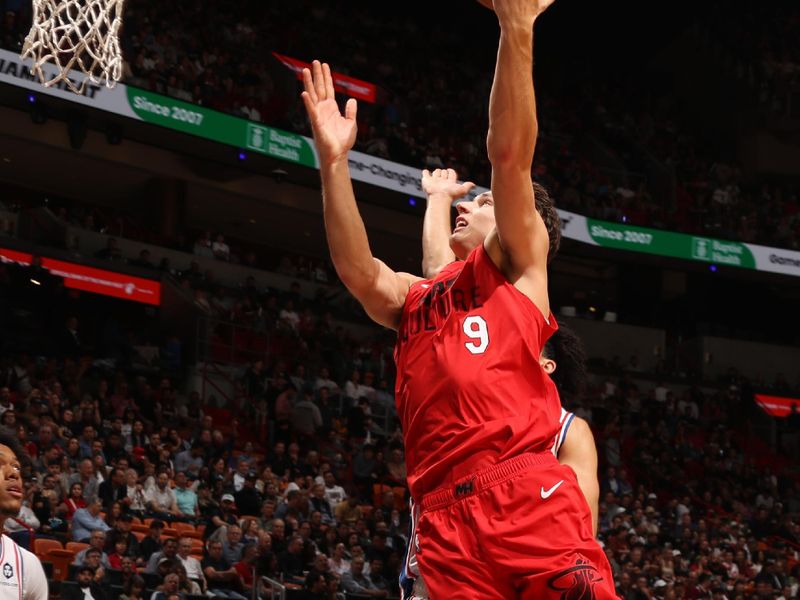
x,y
310,106
468,185
437,173
319,80
351,109
451,174
426,173
326,73
308,84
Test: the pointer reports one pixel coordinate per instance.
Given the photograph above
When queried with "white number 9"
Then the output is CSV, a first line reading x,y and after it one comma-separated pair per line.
x,y
475,328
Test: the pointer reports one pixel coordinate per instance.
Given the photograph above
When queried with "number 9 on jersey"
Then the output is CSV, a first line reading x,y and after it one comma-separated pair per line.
x,y
476,329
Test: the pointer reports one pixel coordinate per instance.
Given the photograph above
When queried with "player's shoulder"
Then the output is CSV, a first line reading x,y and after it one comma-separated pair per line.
x,y
580,426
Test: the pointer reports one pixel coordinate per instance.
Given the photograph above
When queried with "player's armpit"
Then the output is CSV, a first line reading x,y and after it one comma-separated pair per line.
x,y
580,452
383,298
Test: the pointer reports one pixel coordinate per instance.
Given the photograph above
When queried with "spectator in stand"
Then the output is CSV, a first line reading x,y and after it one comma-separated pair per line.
x,y
96,541
87,588
143,260
113,489
169,588
221,516
356,582
160,500
220,249
320,503
152,542
334,493
306,416
223,579
246,566
133,589
86,475
202,247
87,520
168,552
185,499
248,500
122,531
232,544
291,560
192,566
348,511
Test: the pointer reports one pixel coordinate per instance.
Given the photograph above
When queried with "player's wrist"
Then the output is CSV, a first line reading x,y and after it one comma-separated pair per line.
x,y
440,197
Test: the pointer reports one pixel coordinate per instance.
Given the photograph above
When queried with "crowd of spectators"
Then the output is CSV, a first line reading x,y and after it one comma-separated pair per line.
x,y
301,483
434,121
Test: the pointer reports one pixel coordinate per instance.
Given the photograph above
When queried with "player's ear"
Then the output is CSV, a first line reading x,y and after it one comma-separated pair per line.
x,y
548,364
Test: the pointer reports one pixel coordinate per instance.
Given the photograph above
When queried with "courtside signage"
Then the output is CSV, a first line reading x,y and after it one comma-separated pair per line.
x,y
90,279
196,120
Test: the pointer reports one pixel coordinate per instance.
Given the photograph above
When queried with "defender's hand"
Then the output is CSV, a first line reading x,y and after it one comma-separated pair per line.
x,y
444,182
334,133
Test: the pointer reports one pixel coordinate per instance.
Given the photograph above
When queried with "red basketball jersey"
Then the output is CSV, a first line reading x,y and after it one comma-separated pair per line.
x,y
470,390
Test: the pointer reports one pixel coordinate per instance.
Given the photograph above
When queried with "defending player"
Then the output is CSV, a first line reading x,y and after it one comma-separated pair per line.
x,y
22,575
500,517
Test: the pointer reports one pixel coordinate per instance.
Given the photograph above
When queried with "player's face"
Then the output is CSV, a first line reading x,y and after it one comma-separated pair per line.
x,y
11,486
473,224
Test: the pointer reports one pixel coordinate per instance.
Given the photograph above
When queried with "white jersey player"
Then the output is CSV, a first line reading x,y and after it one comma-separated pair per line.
x,y
21,573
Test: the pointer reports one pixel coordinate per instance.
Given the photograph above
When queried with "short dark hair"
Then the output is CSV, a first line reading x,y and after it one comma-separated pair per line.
x,y
549,214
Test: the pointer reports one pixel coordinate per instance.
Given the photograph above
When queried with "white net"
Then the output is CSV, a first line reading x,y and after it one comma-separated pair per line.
x,y
80,35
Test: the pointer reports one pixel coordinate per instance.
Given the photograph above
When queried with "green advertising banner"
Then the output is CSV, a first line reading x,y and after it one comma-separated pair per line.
x,y
220,127
669,243
226,129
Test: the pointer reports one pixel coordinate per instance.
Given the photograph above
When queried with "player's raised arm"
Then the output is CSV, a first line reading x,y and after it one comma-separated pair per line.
x,y
513,128
380,290
442,188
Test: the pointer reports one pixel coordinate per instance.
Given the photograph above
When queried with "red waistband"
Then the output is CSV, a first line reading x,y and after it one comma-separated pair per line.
x,y
483,479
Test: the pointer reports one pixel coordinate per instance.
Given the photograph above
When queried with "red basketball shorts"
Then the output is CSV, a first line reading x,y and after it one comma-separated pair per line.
x,y
520,529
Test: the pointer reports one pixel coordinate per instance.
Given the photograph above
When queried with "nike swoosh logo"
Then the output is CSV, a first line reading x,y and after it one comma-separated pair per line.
x,y
547,493
425,286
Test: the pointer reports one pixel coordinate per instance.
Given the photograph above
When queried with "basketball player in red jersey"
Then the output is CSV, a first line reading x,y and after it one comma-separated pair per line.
x,y
500,517
563,358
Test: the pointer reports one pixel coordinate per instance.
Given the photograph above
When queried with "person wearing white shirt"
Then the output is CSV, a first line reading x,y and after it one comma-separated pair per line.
x,y
160,499
334,493
194,569
23,575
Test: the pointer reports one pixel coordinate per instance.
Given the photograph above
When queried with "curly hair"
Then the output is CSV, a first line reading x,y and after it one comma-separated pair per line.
x,y
547,209
566,349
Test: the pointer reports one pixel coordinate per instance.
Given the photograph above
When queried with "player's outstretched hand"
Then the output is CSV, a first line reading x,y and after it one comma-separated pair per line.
x,y
444,182
512,11
334,133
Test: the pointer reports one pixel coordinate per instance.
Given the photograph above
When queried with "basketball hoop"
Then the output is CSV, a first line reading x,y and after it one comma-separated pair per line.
x,y
80,35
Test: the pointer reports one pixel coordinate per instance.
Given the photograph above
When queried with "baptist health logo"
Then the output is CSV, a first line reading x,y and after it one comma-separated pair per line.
x,y
256,140
273,142
726,253
700,249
